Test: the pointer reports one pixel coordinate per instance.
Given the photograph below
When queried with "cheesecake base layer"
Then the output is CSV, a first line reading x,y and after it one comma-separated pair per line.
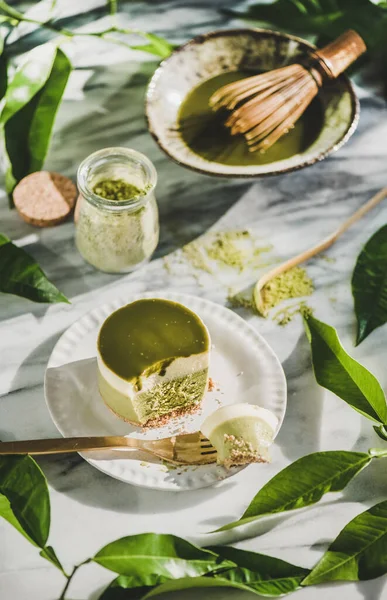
x,y
153,407
239,452
242,440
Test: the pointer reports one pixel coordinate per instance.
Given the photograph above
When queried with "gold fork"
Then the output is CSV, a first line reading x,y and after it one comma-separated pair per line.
x,y
186,449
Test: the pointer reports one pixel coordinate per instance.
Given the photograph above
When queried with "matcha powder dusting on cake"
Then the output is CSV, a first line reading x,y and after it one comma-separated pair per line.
x,y
294,283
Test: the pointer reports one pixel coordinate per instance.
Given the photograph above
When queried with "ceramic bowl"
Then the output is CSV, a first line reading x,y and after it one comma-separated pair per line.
x,y
217,52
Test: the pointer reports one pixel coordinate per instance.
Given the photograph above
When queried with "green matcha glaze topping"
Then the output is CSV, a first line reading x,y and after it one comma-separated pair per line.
x,y
147,335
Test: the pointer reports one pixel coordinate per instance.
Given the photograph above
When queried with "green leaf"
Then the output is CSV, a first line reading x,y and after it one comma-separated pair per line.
x,y
265,575
28,79
25,487
118,590
149,558
344,376
358,553
21,275
3,70
45,113
7,514
156,45
189,583
303,483
381,432
257,573
369,285
28,131
327,18
49,554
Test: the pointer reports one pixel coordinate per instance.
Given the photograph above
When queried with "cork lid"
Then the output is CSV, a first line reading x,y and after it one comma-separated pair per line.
x,y
44,198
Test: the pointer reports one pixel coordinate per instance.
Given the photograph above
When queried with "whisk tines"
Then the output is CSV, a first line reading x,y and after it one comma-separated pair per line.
x,y
264,107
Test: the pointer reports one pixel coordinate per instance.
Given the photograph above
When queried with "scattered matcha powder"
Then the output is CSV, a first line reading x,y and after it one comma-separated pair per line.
x,y
169,466
294,283
116,189
229,249
224,249
193,252
167,265
328,259
286,315
241,300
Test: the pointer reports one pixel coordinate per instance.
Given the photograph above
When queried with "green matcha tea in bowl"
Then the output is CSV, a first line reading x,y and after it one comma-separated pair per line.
x,y
117,226
181,116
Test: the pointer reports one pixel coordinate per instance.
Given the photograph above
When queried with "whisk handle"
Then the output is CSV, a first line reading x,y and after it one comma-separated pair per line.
x,y
342,52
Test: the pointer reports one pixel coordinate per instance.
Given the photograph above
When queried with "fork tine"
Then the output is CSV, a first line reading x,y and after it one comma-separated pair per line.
x,y
194,448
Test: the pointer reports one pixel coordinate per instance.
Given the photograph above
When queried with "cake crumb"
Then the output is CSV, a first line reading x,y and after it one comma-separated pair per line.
x,y
211,385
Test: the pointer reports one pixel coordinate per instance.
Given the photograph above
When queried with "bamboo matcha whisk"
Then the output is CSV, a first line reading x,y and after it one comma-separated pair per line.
x,y
264,107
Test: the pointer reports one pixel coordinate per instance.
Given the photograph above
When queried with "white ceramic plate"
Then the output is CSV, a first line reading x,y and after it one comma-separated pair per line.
x,y
243,366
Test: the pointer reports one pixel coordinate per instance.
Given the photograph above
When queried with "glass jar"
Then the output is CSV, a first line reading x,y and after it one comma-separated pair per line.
x,y
117,236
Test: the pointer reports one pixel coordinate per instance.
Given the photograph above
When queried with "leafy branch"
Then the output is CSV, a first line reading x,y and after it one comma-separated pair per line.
x,y
70,578
31,97
34,93
160,47
151,564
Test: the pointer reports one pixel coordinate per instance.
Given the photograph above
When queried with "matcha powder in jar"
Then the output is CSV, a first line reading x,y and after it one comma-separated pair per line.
x,y
117,228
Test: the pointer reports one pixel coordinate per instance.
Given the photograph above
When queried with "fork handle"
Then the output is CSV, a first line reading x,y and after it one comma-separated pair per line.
x,y
62,445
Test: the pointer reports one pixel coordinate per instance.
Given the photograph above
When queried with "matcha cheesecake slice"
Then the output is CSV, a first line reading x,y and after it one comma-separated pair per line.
x,y
153,358
241,433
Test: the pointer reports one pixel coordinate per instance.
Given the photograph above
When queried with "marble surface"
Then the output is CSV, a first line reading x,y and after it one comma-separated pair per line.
x,y
104,106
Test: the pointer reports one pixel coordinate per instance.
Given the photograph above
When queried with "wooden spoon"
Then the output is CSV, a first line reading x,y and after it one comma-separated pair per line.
x,y
307,254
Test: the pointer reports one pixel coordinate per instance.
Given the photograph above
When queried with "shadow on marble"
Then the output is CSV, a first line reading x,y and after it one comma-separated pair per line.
x,y
186,214
110,112
18,306
301,430
251,530
59,269
371,483
31,371
372,590
73,476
